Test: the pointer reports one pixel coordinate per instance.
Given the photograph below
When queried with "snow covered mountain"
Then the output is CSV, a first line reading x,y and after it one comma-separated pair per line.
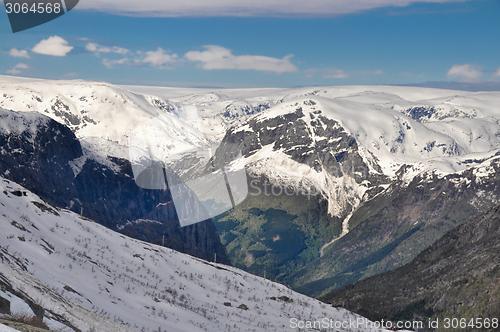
x,y
394,125
376,173
429,129
81,276
397,167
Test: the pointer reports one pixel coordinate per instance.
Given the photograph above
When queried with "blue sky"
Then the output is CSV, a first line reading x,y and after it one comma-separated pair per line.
x,y
261,44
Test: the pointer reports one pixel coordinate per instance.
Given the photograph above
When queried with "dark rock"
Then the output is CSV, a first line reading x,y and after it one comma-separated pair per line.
x,y
37,309
4,306
334,150
285,299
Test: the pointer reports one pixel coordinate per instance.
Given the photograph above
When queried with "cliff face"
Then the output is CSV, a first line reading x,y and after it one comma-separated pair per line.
x,y
44,155
36,151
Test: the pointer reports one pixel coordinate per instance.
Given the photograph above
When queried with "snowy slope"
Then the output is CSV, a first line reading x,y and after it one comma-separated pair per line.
x,y
99,279
383,127
4,328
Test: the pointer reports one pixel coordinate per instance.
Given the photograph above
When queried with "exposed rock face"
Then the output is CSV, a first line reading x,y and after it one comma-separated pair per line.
x,y
310,139
37,152
289,215
457,276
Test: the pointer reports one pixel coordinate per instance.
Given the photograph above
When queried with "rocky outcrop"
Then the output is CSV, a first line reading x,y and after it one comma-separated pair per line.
x,y
35,151
308,138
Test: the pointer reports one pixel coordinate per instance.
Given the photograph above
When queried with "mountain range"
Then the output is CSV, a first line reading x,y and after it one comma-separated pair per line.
x,y
343,182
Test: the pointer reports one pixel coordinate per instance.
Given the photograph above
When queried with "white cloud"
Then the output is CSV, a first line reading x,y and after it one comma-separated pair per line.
x,y
497,73
55,46
158,58
369,72
340,73
96,48
217,57
17,69
19,53
13,71
466,73
111,63
336,73
290,8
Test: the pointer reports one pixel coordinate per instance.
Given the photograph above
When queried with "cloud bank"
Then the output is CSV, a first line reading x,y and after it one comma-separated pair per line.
x,y
212,58
340,73
336,73
259,8
218,57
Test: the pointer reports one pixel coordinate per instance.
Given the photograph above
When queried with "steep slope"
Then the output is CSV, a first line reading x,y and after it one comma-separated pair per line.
x,y
456,277
110,112
47,158
89,278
